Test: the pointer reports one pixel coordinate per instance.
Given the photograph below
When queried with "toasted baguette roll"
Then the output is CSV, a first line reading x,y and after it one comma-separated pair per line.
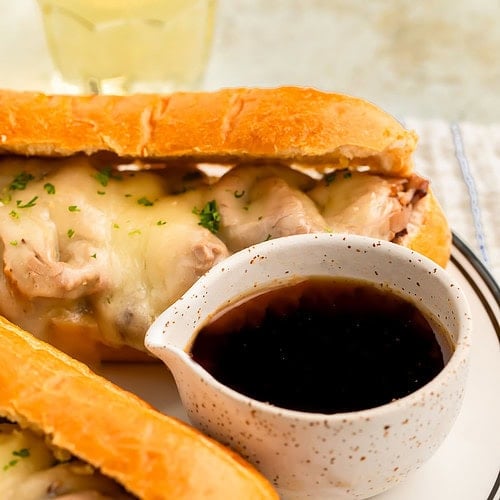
x,y
286,124
153,456
428,231
92,254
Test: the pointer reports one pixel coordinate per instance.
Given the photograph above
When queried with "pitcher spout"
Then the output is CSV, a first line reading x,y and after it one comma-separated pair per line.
x,y
170,354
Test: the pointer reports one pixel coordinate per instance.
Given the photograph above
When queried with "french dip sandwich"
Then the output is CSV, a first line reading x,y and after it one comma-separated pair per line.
x,y
111,207
67,433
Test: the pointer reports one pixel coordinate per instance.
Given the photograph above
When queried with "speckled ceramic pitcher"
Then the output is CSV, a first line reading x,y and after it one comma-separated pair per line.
x,y
311,455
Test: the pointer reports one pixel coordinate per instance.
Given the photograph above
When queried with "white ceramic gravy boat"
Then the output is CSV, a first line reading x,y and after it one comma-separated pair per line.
x,y
310,455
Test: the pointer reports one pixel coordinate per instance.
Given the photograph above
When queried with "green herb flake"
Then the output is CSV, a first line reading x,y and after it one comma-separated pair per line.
x,y
101,192
10,464
73,208
134,232
347,175
330,177
14,243
116,226
28,204
105,175
161,222
20,181
50,188
70,233
127,195
14,214
94,256
209,216
239,194
22,453
145,202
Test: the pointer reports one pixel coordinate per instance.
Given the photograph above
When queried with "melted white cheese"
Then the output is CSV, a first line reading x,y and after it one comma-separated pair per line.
x,y
119,253
99,254
29,470
358,203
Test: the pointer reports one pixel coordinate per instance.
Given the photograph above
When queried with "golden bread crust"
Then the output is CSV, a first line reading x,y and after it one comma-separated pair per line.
x,y
154,456
429,232
291,124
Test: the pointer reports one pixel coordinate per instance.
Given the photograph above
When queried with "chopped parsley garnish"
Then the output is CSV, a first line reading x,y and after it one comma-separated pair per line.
x,y
104,175
101,192
28,204
73,208
50,188
330,177
20,181
22,453
144,201
94,256
70,233
10,464
134,232
14,243
239,194
209,216
161,222
14,214
347,175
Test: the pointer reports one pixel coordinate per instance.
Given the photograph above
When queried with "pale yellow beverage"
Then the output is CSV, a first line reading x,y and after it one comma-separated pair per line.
x,y
120,46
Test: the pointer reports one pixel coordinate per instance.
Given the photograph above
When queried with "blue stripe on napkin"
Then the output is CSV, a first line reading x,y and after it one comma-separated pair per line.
x,y
471,188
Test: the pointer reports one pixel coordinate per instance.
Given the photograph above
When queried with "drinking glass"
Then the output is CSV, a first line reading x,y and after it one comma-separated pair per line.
x,y
125,46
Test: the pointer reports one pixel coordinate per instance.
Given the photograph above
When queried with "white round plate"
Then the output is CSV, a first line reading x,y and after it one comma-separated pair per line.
x,y
467,465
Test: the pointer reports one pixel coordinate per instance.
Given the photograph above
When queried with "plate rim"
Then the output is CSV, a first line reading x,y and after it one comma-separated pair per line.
x,y
493,286
479,266
484,273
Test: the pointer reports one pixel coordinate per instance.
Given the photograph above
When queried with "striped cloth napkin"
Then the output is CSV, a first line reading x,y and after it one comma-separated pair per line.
x,y
462,160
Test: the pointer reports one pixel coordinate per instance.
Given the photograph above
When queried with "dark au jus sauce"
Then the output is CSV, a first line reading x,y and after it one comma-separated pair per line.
x,y
323,345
